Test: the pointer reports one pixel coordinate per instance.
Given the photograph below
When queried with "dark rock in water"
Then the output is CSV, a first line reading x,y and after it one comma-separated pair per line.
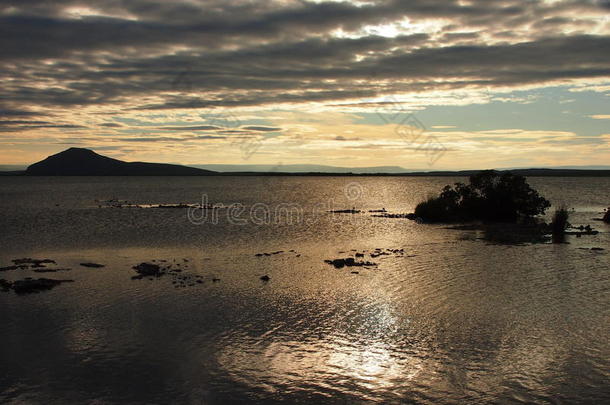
x,y
269,254
7,268
410,216
352,211
179,273
47,270
30,285
93,265
5,285
597,248
338,263
580,233
215,280
265,278
359,255
349,262
32,262
355,272
606,217
148,269
181,205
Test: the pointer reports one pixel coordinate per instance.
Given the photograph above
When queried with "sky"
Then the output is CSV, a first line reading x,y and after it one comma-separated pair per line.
x,y
421,84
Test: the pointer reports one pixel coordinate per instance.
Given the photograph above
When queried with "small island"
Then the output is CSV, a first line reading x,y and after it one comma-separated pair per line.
x,y
503,205
489,196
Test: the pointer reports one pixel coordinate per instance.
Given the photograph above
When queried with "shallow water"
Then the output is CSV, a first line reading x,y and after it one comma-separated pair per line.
x,y
453,320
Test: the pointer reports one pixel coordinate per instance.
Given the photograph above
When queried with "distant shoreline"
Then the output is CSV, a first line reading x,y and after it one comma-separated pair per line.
x,y
460,173
85,162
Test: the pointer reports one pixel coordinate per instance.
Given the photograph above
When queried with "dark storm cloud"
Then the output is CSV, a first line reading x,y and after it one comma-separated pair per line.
x,y
153,139
192,128
18,126
262,129
179,22
151,55
8,112
202,137
22,122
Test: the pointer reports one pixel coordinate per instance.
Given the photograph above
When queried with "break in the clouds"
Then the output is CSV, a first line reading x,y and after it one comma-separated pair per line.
x,y
292,80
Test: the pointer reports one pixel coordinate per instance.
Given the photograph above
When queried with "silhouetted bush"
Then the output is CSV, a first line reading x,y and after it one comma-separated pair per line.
x,y
490,196
434,208
560,224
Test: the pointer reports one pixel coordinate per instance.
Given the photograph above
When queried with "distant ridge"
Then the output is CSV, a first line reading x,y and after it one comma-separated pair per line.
x,y
534,172
299,168
85,162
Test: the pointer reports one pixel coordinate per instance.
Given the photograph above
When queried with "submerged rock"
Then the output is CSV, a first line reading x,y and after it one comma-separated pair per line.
x,y
410,216
29,285
47,270
32,262
580,233
265,278
348,262
93,265
5,285
352,211
178,272
148,269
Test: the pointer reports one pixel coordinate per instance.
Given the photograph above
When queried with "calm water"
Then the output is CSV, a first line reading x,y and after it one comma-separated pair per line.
x,y
453,320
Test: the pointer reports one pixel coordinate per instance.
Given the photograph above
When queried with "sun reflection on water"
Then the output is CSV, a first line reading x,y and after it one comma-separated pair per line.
x,y
367,358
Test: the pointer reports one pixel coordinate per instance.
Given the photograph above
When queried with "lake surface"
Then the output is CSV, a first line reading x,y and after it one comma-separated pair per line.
x,y
453,319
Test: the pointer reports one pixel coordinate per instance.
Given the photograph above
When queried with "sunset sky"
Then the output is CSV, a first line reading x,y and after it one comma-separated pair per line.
x,y
422,84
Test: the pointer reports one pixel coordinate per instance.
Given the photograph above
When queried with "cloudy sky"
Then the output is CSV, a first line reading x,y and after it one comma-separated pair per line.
x,y
430,84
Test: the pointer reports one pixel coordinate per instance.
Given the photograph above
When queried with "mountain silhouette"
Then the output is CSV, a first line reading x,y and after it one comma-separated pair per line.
x,y
85,162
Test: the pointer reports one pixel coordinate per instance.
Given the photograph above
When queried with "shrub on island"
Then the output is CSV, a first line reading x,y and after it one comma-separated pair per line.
x,y
490,196
560,224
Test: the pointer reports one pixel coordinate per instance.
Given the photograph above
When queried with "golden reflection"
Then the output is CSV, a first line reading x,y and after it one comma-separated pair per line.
x,y
371,356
